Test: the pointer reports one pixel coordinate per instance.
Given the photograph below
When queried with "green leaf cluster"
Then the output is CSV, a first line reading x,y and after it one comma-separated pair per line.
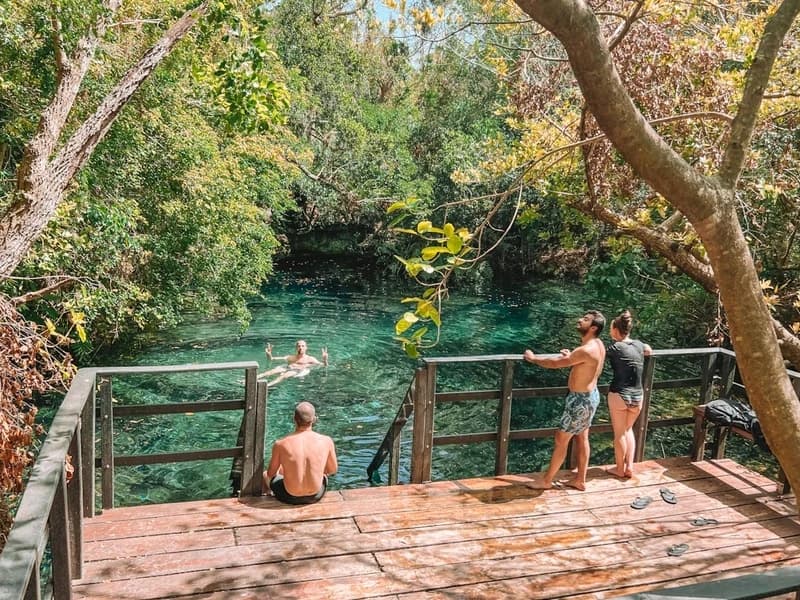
x,y
443,249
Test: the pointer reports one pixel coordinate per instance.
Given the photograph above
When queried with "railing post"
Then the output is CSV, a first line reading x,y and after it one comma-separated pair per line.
x,y
60,540
640,427
258,442
727,373
422,444
249,422
107,442
699,433
85,467
708,370
504,418
394,459
75,506
417,433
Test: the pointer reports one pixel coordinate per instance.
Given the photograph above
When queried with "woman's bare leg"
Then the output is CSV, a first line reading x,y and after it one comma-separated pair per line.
x,y
618,413
631,414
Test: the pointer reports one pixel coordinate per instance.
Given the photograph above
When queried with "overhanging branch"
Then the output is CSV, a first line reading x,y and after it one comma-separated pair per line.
x,y
756,83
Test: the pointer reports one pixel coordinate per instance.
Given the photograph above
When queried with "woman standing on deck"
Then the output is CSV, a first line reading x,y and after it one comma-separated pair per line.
x,y
625,393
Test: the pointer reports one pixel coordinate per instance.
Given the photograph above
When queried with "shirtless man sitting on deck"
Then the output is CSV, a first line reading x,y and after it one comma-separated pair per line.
x,y
581,401
301,462
297,364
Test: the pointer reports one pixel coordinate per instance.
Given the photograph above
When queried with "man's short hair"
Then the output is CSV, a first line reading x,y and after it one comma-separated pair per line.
x,y
598,320
305,414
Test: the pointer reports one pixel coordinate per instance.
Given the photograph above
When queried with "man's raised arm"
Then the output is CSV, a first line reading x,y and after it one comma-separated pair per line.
x,y
567,359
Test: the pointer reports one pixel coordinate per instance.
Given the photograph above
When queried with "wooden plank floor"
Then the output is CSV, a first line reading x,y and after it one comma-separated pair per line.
x,y
475,538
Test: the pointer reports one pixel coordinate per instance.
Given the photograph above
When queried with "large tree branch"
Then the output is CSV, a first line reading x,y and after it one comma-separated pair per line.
x,y
757,80
70,72
60,284
40,182
58,47
654,240
80,146
575,25
708,205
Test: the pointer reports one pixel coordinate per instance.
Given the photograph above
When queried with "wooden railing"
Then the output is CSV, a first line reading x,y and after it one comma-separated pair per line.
x,y
52,510
716,374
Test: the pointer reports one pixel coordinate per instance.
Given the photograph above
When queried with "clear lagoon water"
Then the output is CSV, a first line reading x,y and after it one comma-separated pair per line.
x,y
359,393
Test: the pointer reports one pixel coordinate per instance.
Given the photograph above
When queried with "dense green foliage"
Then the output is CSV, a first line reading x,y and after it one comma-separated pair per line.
x,y
174,211
302,122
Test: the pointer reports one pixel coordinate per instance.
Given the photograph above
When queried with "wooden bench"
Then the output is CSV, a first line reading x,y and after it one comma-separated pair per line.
x,y
721,433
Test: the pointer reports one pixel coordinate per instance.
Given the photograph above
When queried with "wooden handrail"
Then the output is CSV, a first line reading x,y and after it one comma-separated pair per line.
x,y
52,507
717,370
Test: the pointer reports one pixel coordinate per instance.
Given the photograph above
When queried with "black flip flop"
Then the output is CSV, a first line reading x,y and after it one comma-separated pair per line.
x,y
668,496
677,549
641,502
701,521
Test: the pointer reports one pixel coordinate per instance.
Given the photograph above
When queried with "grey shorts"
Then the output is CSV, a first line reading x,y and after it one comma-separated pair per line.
x,y
579,409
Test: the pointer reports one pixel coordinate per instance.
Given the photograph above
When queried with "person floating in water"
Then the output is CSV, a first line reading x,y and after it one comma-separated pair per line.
x,y
298,365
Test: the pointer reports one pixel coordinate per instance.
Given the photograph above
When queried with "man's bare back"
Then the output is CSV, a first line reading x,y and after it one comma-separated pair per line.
x,y
301,460
303,457
586,363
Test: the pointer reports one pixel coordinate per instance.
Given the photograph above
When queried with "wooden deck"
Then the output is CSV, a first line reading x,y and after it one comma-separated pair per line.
x,y
478,538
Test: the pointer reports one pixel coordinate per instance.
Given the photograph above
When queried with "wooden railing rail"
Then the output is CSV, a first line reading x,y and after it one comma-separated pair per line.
x,y
51,509
717,369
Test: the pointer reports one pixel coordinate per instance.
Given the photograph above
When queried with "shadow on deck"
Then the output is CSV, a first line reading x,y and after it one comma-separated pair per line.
x,y
475,538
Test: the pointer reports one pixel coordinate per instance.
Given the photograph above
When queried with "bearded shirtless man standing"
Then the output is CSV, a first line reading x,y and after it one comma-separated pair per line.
x,y
586,362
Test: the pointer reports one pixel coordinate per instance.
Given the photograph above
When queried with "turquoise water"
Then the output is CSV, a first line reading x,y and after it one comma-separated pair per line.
x,y
358,394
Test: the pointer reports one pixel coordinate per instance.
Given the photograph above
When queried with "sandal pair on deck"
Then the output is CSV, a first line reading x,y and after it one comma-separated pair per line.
x,y
666,495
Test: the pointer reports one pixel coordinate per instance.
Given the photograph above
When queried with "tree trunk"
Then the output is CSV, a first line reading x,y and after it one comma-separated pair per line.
x,y
707,202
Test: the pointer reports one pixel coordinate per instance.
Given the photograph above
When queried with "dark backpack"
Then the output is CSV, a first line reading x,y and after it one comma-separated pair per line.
x,y
729,411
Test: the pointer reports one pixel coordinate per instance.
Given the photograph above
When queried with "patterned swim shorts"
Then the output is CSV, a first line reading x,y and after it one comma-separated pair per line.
x,y
579,409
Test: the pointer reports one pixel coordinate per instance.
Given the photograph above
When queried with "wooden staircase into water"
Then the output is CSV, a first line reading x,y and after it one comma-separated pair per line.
x,y
490,537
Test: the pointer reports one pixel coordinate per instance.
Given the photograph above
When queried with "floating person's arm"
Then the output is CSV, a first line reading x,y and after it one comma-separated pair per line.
x,y
268,352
